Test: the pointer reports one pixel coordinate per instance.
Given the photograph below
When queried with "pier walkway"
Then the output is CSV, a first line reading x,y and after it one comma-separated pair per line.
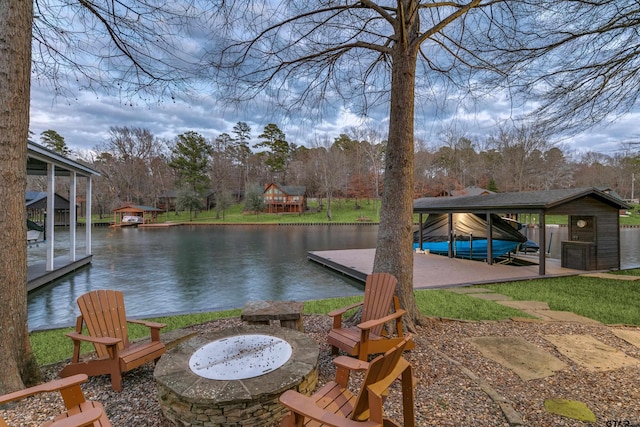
x,y
437,271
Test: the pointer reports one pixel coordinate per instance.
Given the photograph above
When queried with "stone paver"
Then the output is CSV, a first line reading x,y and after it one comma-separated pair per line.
x,y
591,354
611,276
525,305
525,359
629,335
561,316
470,290
491,297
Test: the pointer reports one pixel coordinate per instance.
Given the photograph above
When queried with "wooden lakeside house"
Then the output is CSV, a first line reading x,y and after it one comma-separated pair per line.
x,y
284,198
131,214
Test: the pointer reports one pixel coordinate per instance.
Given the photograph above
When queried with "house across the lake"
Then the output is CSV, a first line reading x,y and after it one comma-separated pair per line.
x,y
284,198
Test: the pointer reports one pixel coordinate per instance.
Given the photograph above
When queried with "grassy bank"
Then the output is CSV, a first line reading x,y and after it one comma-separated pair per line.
x,y
608,301
342,210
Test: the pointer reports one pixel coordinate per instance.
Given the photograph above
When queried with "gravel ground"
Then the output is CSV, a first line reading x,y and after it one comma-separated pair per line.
x,y
457,386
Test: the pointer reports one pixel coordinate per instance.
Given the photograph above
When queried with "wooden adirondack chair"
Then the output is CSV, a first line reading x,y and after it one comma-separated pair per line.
x,y
335,405
103,313
369,337
80,412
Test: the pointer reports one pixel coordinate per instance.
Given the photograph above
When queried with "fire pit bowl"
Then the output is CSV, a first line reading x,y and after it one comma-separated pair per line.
x,y
252,367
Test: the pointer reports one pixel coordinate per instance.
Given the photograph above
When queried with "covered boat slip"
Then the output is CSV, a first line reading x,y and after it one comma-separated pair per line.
x,y
594,221
465,235
593,233
44,162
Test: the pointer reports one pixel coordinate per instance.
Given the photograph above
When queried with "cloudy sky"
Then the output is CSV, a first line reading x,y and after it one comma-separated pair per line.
x,y
84,122
85,119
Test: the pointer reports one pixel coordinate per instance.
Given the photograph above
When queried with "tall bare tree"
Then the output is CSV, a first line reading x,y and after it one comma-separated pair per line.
x,y
580,59
132,48
366,53
18,366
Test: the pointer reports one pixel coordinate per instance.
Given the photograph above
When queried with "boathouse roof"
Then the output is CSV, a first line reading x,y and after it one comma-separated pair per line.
x,y
38,157
520,202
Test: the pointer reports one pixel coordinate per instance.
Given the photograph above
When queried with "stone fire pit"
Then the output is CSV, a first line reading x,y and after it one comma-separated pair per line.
x,y
234,377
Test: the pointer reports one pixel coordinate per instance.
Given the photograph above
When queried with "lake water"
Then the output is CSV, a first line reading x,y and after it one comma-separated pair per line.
x,y
198,268
209,268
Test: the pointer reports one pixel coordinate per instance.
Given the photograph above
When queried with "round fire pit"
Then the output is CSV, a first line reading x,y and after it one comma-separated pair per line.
x,y
234,377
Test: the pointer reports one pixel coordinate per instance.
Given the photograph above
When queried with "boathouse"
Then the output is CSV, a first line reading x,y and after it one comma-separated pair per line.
x,y
44,162
37,208
593,220
134,214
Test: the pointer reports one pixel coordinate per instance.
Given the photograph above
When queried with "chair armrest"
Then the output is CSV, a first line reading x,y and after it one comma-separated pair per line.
x,y
341,311
306,406
82,419
375,322
54,385
96,340
151,325
351,363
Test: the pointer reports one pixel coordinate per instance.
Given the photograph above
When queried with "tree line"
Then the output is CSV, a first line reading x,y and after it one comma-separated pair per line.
x,y
202,174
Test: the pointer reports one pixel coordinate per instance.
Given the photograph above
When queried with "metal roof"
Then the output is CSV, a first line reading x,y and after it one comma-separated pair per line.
x,y
38,157
137,208
529,201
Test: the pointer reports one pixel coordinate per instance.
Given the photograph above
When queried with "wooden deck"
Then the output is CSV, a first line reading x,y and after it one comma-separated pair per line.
x,y
436,271
37,275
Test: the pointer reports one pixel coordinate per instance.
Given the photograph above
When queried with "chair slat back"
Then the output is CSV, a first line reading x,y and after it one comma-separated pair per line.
x,y
379,368
104,315
378,297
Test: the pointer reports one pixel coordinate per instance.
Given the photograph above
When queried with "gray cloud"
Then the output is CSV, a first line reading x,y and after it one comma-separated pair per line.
x,y
84,122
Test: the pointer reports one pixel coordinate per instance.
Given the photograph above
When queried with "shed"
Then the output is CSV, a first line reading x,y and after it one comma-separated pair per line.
x,y
594,222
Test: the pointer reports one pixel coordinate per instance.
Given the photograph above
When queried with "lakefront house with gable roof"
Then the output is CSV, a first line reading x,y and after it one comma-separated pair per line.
x,y
284,198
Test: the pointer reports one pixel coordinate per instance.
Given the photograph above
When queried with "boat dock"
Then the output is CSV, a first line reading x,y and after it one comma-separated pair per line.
x,y
437,271
37,275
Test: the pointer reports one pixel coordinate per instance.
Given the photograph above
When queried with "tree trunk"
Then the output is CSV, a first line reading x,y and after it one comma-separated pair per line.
x,y
18,367
394,247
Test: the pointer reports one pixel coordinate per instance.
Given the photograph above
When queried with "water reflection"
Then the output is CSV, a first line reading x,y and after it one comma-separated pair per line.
x,y
198,268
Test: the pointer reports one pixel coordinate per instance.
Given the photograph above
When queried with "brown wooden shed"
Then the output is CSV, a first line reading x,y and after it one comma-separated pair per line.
x,y
594,221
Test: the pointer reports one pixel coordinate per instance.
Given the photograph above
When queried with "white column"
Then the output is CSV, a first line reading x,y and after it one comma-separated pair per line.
x,y
51,213
72,216
87,216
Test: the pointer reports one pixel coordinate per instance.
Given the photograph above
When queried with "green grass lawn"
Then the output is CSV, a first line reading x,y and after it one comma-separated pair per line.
x,y
343,210
608,301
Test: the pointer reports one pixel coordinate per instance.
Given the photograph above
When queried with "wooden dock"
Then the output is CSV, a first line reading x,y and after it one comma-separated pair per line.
x,y
436,271
38,276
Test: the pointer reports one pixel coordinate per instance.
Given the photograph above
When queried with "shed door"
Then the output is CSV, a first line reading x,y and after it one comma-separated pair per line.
x,y
582,228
